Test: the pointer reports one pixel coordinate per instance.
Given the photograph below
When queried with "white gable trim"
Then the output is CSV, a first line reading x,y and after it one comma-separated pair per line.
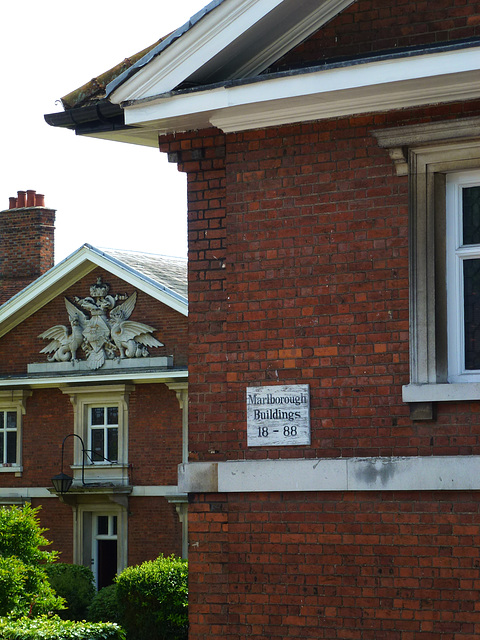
x,y
69,271
221,35
367,87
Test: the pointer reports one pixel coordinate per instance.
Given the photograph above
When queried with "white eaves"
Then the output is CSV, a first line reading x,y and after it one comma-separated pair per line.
x,y
365,86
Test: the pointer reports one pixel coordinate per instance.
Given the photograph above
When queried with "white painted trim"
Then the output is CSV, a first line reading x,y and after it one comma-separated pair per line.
x,y
216,37
9,493
135,377
151,491
367,87
166,491
456,254
442,392
422,473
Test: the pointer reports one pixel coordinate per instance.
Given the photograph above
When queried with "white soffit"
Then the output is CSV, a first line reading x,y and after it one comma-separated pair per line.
x,y
239,38
346,90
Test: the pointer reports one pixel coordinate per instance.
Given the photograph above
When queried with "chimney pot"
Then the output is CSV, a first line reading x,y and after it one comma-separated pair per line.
x,y
30,198
12,202
21,199
39,200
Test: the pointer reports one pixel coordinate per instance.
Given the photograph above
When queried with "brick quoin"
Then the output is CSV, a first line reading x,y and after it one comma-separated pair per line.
x,y
299,274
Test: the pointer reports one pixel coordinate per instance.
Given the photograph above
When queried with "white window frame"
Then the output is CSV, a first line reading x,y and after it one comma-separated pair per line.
x,y
457,253
83,399
434,151
104,428
14,401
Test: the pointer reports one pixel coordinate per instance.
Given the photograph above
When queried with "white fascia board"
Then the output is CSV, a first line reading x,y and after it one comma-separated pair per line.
x,y
65,274
422,473
194,48
134,377
365,87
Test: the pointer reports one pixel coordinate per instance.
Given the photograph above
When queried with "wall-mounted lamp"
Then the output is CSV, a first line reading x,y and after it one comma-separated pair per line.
x,y
62,482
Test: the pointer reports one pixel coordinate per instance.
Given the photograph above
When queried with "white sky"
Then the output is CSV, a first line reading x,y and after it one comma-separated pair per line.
x,y
106,193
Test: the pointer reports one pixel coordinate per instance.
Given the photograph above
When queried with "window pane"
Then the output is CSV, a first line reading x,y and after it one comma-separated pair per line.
x,y
102,525
471,275
114,525
97,445
11,447
97,415
2,415
2,448
112,415
471,215
112,454
11,419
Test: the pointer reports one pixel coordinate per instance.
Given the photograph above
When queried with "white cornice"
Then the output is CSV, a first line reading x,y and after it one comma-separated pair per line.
x,y
222,37
347,90
125,375
65,274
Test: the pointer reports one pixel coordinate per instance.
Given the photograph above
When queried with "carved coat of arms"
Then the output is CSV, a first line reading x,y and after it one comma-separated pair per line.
x,y
103,331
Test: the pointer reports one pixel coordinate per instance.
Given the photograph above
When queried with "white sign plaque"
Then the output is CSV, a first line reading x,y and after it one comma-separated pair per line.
x,y
278,415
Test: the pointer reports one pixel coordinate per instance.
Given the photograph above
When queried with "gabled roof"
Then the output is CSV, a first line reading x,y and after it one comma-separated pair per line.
x,y
161,277
214,72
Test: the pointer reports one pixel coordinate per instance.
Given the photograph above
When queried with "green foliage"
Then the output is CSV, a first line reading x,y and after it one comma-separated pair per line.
x,y
76,584
53,628
104,606
24,586
153,599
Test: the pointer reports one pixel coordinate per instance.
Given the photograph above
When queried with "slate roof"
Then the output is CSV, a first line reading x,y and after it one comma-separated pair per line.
x,y
165,270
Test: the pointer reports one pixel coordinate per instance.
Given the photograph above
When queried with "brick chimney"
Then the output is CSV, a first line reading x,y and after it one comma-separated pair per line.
x,y
27,242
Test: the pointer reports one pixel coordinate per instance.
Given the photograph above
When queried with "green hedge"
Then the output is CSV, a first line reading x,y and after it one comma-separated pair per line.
x,y
53,628
153,599
104,607
76,584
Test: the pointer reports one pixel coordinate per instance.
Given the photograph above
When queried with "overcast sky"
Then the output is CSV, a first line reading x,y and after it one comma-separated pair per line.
x,y
106,193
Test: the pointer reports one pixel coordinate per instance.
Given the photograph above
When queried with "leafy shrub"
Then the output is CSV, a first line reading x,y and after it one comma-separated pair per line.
x,y
104,607
76,584
153,599
53,628
24,586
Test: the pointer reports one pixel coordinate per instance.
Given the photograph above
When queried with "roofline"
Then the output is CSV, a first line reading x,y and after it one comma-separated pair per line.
x,y
64,274
416,77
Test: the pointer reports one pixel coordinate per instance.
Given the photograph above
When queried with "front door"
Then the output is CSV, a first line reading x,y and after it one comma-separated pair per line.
x,y
104,540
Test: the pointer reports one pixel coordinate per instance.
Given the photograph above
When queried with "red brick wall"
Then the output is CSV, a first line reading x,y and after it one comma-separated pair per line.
x,y
306,281
155,435
331,565
153,528
312,230
374,25
58,519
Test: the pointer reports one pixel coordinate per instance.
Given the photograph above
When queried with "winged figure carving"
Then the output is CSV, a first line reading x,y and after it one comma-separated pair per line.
x,y
131,338
100,337
64,343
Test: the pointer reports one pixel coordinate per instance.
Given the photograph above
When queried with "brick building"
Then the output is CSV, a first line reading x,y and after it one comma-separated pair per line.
x,y
333,162
93,385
